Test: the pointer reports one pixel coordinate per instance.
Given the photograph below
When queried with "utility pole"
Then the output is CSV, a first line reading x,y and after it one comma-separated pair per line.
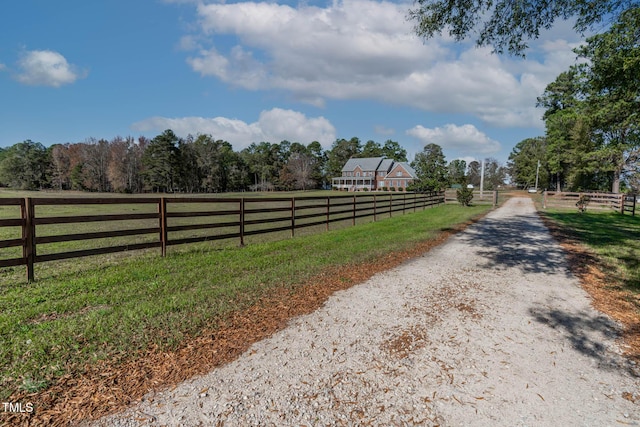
x,y
482,179
537,174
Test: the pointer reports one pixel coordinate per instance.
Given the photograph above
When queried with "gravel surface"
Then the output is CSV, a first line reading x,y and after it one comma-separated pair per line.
x,y
489,328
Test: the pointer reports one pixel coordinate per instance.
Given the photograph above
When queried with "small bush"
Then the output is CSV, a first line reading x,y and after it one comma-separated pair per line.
x,y
392,188
464,196
582,203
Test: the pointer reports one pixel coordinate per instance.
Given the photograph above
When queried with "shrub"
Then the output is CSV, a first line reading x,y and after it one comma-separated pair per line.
x,y
582,203
464,196
392,188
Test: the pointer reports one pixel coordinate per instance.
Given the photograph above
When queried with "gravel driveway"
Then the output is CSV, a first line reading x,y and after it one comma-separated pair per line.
x,y
488,329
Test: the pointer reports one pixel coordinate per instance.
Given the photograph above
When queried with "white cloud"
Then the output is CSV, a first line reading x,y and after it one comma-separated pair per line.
x,y
382,130
274,125
364,49
46,68
465,139
2,67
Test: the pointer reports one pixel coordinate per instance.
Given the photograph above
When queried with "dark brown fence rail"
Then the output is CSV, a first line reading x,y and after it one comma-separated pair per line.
x,y
174,221
598,201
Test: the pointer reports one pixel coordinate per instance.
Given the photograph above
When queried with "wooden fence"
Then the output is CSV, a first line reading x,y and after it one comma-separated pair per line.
x,y
218,218
481,198
599,201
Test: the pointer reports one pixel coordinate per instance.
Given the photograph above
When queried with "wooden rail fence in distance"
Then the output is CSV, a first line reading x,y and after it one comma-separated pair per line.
x,y
215,218
598,201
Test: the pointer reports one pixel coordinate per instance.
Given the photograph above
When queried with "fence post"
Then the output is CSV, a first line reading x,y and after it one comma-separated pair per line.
x,y
353,220
390,205
293,216
328,211
544,199
375,208
242,222
162,210
495,198
29,236
633,204
404,203
622,204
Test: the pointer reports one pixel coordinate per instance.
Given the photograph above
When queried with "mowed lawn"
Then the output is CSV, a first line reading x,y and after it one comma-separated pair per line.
x,y
614,238
114,307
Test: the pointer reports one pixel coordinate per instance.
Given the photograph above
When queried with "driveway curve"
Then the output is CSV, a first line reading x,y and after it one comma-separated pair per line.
x,y
488,329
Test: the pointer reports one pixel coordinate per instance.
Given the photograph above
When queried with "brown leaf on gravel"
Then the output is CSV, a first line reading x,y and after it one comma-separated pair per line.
x,y
109,386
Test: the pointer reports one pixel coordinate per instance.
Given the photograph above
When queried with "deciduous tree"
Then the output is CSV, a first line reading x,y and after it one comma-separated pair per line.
x,y
507,25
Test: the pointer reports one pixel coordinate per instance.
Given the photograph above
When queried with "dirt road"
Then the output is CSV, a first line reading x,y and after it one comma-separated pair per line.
x,y
489,329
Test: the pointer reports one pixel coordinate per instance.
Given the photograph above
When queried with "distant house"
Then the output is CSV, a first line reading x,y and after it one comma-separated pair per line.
x,y
374,174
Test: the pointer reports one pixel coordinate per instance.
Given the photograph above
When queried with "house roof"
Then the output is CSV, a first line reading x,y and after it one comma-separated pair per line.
x,y
385,165
365,163
408,168
411,171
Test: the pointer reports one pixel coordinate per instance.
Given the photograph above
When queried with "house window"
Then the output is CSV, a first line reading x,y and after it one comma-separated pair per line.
x,y
398,173
358,174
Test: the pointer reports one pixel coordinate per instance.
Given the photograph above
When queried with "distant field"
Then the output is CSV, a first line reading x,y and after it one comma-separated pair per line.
x,y
95,309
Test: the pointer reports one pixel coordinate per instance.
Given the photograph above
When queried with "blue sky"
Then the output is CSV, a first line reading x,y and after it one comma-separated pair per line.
x,y
263,71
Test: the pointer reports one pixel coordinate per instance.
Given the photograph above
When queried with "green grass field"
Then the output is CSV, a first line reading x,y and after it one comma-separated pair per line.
x,y
613,237
115,306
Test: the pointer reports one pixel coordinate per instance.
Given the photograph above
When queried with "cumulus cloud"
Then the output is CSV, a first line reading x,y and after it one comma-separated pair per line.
x,y
46,68
274,125
364,49
461,139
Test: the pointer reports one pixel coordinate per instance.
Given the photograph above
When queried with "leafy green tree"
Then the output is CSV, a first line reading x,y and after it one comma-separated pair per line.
x,y
431,169
265,160
591,112
371,149
161,162
188,173
319,175
508,25
341,151
457,171
523,163
611,78
393,150
24,166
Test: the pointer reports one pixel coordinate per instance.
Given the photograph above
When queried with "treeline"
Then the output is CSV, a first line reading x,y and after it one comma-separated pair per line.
x,y
592,138
168,163
434,173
